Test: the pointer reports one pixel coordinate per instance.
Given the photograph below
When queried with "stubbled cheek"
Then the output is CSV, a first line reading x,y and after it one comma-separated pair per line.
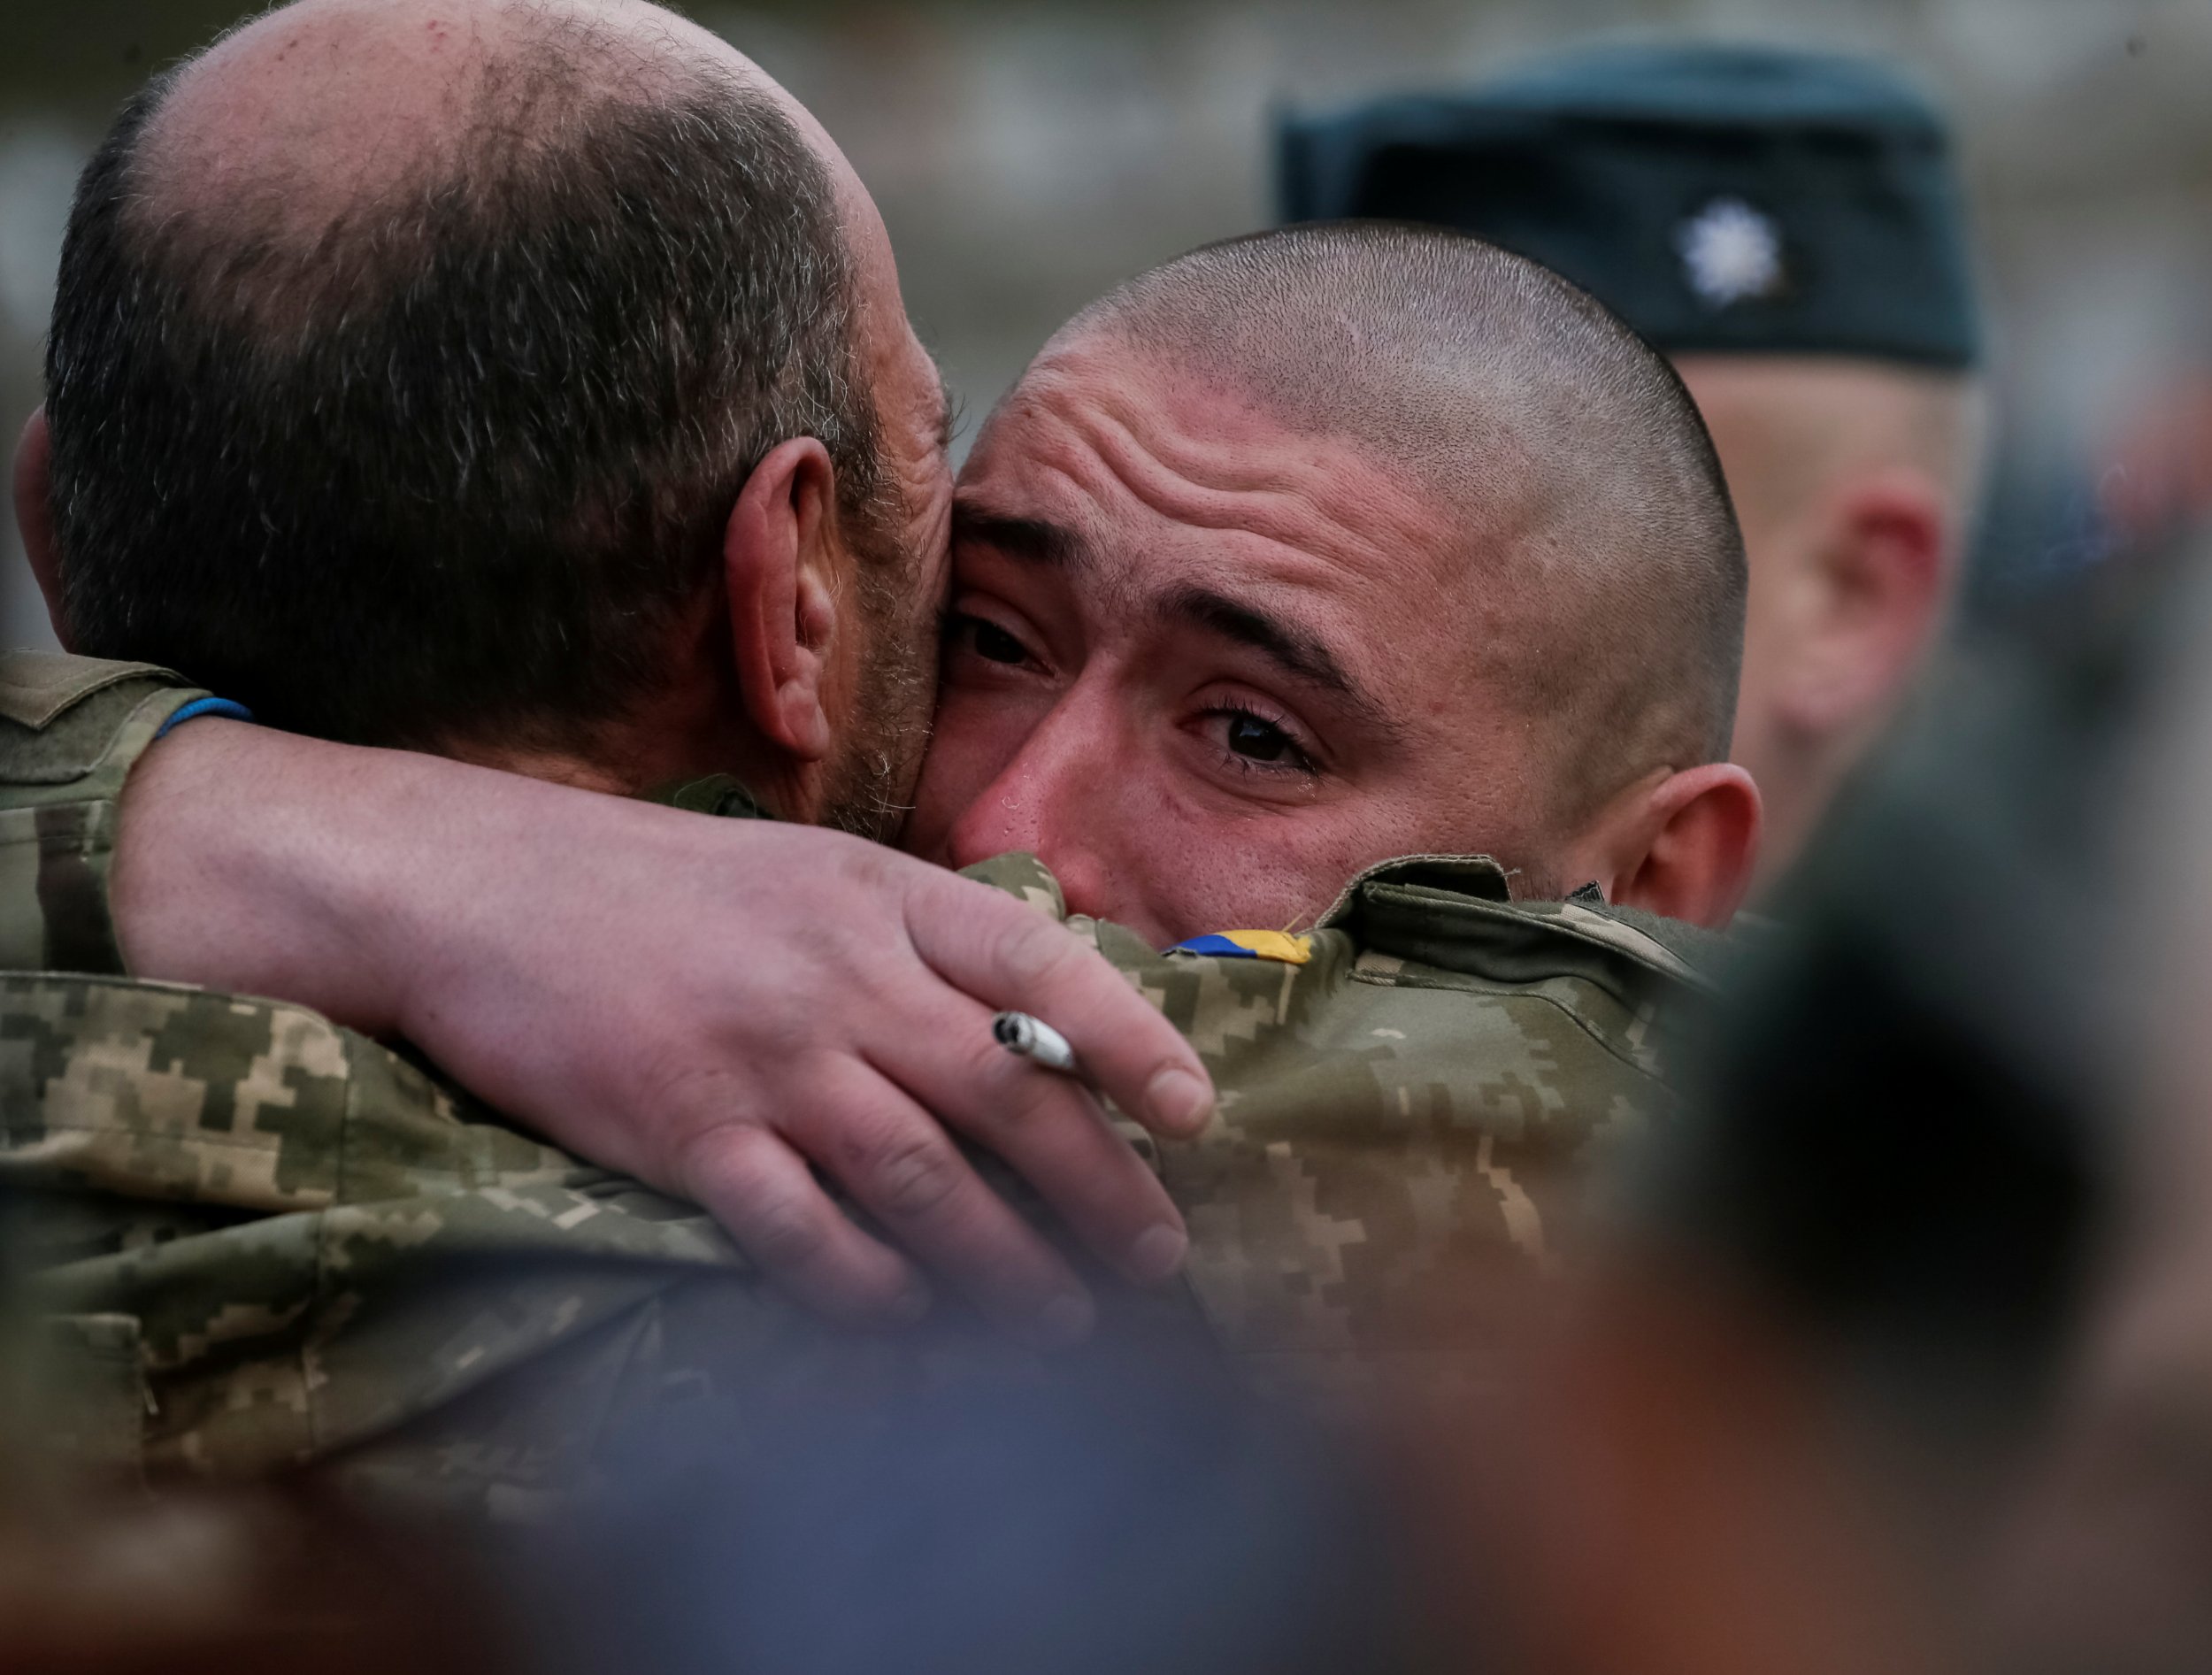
x,y
1307,879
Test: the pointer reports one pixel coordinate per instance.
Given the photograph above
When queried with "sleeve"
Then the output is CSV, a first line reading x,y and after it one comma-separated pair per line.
x,y
70,730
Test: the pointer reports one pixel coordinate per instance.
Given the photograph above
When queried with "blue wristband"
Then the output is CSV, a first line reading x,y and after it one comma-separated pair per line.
x,y
229,709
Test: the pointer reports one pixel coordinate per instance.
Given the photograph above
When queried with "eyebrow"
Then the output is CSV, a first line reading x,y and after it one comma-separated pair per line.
x,y
1030,539
1295,650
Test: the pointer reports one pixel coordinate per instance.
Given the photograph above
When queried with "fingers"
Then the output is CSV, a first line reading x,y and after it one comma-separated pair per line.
x,y
1010,957
1050,1129
902,1167
768,1200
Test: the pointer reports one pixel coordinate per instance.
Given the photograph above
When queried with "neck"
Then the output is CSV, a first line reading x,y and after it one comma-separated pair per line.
x,y
685,733
1795,787
1800,776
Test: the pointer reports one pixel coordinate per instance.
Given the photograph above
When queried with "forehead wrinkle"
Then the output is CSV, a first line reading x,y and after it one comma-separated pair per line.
x,y
1277,503
1045,432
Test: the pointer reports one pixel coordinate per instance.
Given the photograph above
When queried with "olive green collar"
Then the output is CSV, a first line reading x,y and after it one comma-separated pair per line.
x,y
1422,906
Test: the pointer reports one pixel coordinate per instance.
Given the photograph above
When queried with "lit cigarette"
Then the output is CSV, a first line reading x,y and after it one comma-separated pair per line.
x,y
1033,1038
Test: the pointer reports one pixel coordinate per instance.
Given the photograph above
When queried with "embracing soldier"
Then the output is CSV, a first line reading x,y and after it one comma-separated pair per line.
x,y
1293,557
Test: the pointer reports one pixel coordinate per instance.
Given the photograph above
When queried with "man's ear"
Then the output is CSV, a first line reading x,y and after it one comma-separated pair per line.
x,y
34,514
1880,573
1685,847
779,561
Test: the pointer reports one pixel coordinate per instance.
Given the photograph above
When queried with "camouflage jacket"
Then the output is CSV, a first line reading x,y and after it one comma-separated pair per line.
x,y
303,1245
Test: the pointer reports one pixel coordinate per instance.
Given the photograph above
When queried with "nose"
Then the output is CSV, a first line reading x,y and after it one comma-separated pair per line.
x,y
1055,799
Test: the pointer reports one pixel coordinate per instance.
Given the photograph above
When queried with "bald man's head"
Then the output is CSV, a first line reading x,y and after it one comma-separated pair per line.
x,y
407,360
317,113
1596,526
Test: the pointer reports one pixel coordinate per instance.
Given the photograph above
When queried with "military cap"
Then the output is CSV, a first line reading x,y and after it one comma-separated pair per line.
x,y
1718,198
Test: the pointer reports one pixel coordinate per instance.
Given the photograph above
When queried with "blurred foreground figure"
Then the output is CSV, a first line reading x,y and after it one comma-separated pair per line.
x,y
1787,227
96,1575
1807,1378
2109,1570
1141,1519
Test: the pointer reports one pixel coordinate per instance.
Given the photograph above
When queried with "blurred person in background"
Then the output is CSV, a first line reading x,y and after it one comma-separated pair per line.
x,y
1789,227
2106,1565
2155,481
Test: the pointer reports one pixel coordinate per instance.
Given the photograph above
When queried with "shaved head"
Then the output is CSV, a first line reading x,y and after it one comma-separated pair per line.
x,y
407,358
1334,544
1563,451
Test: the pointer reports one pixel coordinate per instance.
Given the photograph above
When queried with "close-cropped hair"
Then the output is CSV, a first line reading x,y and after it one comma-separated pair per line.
x,y
1585,499
455,463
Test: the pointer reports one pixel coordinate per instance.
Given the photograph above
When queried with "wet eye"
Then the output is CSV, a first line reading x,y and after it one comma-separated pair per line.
x,y
1258,741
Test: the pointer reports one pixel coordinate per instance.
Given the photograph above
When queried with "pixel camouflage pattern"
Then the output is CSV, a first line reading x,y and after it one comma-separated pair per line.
x,y
325,1252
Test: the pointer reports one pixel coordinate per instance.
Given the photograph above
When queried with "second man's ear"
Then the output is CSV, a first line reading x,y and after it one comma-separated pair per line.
x,y
779,563
1883,576
34,514
1689,845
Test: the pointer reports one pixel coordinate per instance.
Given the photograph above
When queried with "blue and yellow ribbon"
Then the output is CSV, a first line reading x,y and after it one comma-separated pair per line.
x,y
1251,945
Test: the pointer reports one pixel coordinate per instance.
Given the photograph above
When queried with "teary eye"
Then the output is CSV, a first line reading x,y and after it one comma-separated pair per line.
x,y
1255,742
1257,739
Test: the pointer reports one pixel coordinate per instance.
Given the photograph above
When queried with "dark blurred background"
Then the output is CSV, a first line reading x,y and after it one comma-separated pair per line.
x,y
1028,155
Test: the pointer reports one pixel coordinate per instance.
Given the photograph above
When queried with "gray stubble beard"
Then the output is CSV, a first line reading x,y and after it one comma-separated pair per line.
x,y
871,787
